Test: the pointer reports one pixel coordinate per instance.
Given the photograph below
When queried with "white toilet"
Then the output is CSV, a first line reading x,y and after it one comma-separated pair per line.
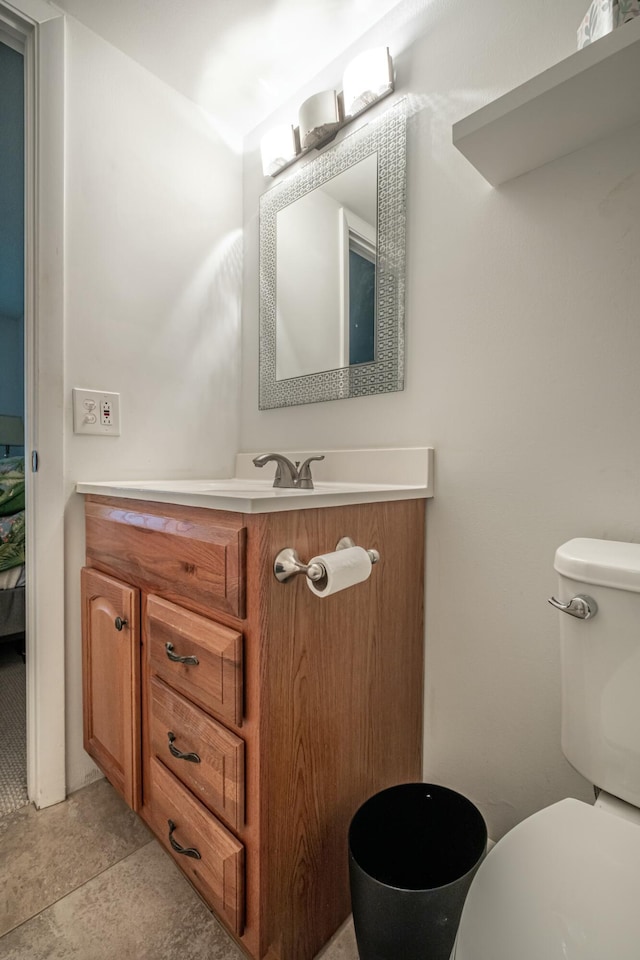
x,y
565,883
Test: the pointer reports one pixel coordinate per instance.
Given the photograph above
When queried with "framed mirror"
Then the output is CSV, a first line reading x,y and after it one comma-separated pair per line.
x,y
332,261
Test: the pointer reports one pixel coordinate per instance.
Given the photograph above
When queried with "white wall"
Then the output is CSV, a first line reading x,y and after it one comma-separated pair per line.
x,y
11,366
11,183
11,234
308,320
523,346
152,294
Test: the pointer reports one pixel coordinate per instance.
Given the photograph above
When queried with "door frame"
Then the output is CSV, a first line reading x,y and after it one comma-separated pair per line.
x,y
39,29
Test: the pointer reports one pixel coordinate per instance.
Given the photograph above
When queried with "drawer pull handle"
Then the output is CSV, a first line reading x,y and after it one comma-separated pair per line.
x,y
185,851
176,659
192,757
120,622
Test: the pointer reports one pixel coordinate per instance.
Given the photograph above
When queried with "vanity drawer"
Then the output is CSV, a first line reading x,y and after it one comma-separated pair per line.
x,y
185,828
189,555
213,767
214,682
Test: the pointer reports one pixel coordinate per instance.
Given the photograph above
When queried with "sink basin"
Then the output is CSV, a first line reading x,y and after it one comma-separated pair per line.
x,y
231,487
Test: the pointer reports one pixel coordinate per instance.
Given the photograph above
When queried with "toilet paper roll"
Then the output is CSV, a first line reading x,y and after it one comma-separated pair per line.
x,y
343,568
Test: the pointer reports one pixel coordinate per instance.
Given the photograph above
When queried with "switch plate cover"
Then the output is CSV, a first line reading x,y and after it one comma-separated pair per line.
x,y
89,408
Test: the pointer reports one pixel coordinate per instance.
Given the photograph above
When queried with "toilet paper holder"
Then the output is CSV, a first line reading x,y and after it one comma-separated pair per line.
x,y
287,564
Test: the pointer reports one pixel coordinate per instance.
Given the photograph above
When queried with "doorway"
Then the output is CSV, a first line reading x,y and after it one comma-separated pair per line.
x,y
35,31
13,705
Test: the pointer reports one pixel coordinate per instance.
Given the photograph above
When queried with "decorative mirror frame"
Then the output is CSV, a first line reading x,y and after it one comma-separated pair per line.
x,y
386,136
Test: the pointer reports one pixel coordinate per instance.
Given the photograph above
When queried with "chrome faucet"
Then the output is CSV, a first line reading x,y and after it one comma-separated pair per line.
x,y
289,475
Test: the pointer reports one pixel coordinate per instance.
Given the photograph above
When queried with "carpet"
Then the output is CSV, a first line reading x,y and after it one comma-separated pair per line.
x,y
13,724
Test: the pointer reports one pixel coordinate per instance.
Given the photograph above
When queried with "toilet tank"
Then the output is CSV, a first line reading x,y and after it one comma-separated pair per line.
x,y
601,664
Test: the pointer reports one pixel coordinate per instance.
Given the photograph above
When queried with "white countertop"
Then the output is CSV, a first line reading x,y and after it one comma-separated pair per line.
x,y
241,494
250,496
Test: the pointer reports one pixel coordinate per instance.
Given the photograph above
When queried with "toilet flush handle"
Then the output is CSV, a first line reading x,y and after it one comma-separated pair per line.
x,y
582,607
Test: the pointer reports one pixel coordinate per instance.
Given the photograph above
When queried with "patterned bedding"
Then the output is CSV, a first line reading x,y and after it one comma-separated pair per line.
x,y
11,485
12,541
12,522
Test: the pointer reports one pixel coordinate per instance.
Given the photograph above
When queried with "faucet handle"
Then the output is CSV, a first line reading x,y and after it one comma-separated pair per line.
x,y
305,481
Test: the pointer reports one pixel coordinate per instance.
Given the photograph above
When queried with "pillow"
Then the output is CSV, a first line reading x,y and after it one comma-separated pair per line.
x,y
13,466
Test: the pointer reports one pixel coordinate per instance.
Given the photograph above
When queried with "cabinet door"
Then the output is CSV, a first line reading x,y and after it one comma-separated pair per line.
x,y
111,680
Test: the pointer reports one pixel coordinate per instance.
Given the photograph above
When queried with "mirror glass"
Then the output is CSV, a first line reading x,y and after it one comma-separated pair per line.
x,y
325,274
332,271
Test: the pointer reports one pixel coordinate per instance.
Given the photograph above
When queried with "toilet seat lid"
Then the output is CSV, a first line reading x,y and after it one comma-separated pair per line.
x,y
562,885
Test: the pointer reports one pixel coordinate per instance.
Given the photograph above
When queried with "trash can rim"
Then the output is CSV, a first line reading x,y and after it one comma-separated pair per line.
x,y
363,823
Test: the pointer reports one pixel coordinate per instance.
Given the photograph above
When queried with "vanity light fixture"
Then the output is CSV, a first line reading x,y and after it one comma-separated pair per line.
x,y
279,147
367,79
319,119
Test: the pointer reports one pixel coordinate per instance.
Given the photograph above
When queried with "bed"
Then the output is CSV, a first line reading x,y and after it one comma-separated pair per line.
x,y
12,548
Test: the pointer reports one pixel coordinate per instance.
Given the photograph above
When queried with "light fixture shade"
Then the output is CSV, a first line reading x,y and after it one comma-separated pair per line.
x,y
368,77
278,148
319,119
11,431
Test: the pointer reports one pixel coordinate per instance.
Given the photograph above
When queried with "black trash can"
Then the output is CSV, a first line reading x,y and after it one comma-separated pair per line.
x,y
413,851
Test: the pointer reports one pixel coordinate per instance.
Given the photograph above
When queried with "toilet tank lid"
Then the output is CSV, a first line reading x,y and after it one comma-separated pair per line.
x,y
608,563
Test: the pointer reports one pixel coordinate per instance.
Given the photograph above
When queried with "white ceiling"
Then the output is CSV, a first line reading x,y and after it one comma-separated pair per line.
x,y
238,59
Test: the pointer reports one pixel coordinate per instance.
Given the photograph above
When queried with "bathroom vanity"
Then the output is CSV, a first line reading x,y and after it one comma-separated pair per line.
x,y
246,719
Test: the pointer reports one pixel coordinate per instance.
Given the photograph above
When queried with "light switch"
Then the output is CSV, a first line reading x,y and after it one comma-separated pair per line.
x,y
97,412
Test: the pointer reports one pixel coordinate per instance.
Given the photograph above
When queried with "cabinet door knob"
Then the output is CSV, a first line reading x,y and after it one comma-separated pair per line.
x,y
173,750
177,659
120,622
185,851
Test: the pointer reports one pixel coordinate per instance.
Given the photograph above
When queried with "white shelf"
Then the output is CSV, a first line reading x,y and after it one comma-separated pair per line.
x,y
591,94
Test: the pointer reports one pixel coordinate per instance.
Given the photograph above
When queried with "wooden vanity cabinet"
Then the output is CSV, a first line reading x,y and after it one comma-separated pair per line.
x,y
111,680
297,709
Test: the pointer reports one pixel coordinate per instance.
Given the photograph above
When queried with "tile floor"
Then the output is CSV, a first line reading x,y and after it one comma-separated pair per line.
x,y
84,880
